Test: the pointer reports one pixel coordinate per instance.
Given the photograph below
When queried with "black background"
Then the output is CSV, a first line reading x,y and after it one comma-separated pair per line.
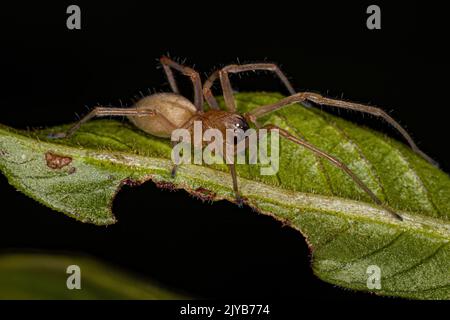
x,y
48,73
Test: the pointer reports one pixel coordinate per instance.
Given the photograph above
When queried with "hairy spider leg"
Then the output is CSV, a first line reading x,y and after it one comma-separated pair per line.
x,y
336,162
102,112
318,99
222,74
168,64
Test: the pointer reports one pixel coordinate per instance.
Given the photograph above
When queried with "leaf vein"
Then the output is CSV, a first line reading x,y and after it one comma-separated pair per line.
x,y
419,263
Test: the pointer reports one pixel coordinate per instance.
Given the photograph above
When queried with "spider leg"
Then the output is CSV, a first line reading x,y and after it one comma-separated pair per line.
x,y
227,158
186,125
175,166
317,98
207,93
101,112
336,162
226,85
168,64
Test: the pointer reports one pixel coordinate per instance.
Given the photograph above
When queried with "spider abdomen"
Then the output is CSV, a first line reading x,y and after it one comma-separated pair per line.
x,y
172,111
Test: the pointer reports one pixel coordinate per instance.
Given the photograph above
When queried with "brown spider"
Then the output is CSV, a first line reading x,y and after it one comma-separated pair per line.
x,y
160,114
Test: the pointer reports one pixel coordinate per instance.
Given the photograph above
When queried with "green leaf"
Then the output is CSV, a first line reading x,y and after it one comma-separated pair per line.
x,y
346,232
41,276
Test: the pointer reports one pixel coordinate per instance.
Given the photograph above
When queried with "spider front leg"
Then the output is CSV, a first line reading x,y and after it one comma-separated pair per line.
x,y
226,85
336,162
317,98
237,194
229,158
101,112
168,64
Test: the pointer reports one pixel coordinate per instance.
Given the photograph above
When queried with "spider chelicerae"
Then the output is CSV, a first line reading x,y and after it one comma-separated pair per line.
x,y
160,114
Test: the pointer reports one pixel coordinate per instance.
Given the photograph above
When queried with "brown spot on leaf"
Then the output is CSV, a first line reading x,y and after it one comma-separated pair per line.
x,y
203,194
56,161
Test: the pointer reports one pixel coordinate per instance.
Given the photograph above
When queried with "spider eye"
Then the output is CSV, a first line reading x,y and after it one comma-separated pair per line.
x,y
239,126
242,125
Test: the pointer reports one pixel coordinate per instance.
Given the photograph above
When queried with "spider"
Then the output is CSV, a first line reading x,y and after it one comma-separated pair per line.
x,y
159,114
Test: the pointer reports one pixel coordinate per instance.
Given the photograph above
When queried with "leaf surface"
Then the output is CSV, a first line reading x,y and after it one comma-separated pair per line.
x,y
346,232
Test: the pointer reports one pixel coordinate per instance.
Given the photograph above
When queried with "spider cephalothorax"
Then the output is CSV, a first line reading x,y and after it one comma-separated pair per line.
x,y
160,114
